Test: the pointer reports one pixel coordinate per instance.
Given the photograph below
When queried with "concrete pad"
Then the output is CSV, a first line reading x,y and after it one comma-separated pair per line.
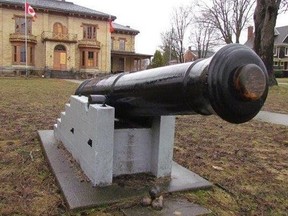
x,y
171,207
81,194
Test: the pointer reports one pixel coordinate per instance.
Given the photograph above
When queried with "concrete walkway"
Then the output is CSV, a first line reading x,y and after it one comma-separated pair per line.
x,y
270,117
74,81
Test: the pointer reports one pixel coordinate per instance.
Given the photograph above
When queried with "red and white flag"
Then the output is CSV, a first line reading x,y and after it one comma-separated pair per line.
x,y
111,28
29,10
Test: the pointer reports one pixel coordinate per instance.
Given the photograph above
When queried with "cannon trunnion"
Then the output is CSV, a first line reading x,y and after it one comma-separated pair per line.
x,y
233,84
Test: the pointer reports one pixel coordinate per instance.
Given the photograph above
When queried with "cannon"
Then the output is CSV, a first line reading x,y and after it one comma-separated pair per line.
x,y
233,84
125,123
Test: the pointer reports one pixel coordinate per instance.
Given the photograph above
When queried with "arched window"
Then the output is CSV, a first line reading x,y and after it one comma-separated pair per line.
x,y
58,28
60,31
60,47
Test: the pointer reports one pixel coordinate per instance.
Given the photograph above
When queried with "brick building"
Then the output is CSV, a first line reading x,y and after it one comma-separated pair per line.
x,y
65,37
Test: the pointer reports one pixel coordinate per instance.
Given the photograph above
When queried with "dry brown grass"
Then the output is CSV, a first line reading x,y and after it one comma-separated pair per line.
x,y
253,156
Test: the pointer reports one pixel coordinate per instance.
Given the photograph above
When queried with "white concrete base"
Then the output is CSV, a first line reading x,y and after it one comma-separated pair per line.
x,y
80,194
88,134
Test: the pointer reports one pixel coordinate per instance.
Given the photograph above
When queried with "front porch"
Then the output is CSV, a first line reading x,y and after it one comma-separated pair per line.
x,y
123,61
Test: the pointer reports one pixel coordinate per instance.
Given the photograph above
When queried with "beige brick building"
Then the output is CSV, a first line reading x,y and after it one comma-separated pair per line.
x,y
65,37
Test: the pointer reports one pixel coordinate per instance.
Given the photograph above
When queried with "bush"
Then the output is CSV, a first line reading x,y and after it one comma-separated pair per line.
x,y
278,73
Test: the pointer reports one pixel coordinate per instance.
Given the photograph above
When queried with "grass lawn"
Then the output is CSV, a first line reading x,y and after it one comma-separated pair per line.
x,y
253,179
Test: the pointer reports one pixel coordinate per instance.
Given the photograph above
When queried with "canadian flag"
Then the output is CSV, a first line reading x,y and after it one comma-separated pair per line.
x,y
111,28
29,10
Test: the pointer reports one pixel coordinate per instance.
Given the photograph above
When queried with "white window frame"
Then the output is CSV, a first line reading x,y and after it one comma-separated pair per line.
x,y
122,44
276,51
286,51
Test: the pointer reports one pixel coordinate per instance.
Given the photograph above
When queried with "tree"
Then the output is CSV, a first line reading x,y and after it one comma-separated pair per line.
x,y
168,47
203,37
229,17
157,60
181,19
265,17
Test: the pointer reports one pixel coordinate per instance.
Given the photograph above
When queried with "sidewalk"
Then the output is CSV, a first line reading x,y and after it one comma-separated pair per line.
x,y
275,118
74,81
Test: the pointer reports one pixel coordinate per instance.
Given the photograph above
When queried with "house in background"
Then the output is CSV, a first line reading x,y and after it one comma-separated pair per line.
x,y
65,37
280,51
189,55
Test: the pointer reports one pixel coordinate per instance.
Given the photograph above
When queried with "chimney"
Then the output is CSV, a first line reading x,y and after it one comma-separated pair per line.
x,y
250,35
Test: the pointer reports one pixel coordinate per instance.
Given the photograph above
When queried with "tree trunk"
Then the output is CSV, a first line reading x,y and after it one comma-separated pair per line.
x,y
265,16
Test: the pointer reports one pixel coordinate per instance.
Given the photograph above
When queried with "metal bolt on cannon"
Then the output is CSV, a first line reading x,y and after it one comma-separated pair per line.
x,y
233,84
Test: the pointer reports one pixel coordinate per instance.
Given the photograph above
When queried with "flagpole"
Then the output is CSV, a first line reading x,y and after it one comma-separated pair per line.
x,y
26,45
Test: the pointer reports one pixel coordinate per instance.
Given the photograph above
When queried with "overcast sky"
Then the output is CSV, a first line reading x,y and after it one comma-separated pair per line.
x,y
150,17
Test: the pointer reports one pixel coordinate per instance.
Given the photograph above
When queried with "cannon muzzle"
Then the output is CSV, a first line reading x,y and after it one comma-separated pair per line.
x,y
233,84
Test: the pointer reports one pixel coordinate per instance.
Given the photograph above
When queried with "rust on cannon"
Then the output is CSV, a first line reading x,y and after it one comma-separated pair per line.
x,y
233,84
249,81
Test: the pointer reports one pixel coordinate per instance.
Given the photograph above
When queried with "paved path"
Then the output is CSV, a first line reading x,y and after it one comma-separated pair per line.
x,y
74,81
275,118
270,117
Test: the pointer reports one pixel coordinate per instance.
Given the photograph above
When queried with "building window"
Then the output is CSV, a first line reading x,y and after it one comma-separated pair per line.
x,y
89,58
58,28
19,54
275,51
286,51
31,56
15,53
89,32
122,44
60,48
22,54
275,63
83,58
112,43
20,25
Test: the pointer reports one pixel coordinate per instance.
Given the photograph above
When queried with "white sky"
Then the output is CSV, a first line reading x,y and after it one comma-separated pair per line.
x,y
150,17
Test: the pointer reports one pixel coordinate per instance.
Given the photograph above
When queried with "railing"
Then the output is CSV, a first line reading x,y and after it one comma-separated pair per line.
x,y
55,36
89,43
16,37
128,48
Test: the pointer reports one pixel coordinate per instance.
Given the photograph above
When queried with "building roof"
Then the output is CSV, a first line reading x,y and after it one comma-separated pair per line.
x,y
131,54
60,6
283,34
124,29
280,37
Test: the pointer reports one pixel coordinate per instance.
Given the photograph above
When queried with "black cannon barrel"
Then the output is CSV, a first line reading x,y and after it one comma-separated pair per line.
x,y
233,84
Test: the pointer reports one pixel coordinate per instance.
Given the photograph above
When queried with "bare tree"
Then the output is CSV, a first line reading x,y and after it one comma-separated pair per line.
x,y
203,37
229,17
181,19
265,17
168,47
